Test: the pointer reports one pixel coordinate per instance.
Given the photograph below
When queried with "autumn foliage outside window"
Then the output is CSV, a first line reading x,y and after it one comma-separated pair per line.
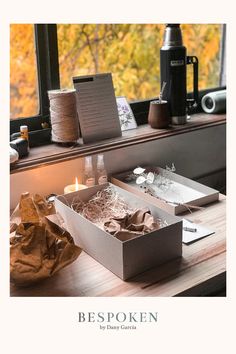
x,y
129,51
23,72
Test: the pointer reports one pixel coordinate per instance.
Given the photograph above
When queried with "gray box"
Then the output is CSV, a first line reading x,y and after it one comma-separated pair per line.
x,y
124,258
194,193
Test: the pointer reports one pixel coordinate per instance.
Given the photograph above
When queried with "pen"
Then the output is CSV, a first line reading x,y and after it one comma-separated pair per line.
x,y
190,229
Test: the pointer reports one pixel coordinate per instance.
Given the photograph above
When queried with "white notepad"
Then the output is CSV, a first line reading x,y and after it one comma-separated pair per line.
x,y
96,107
201,231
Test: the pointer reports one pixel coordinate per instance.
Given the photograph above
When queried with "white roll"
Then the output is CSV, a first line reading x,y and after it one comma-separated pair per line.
x,y
14,156
214,102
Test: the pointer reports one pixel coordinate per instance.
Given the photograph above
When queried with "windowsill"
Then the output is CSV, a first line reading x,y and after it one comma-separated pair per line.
x,y
53,153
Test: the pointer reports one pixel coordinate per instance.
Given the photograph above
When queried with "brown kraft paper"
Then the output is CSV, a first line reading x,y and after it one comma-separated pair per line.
x,y
132,225
38,248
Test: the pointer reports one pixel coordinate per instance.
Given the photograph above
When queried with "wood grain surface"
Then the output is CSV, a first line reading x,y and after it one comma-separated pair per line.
x,y
54,153
200,272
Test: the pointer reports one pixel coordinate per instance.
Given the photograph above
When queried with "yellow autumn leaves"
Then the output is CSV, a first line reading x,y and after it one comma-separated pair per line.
x,y
129,51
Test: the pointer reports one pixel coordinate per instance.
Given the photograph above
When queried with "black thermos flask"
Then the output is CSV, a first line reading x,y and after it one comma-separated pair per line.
x,y
174,62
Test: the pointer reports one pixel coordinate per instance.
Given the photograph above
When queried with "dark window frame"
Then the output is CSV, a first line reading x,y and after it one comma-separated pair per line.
x,y
46,47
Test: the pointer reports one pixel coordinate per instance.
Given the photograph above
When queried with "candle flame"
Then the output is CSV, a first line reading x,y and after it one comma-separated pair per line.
x,y
76,184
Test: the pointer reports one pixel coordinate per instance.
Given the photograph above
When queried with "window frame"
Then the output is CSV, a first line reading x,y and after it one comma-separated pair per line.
x,y
47,59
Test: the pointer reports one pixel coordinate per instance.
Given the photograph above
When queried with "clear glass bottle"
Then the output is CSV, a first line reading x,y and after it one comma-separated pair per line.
x,y
101,171
89,176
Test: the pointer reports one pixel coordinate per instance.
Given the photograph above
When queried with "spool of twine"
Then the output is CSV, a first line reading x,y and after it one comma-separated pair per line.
x,y
63,112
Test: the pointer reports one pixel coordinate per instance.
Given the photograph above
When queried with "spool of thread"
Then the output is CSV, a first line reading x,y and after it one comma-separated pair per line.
x,y
63,112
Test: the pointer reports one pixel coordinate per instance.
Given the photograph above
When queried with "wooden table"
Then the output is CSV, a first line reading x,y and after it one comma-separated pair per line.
x,y
200,272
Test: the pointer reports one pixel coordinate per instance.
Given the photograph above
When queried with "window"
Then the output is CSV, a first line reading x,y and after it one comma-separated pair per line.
x,y
42,40
129,51
204,41
23,72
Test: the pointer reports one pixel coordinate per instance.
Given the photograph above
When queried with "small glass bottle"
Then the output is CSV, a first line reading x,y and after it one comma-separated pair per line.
x,y
89,176
101,171
24,134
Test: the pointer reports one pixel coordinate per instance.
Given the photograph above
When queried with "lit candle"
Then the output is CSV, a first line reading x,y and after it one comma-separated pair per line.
x,y
74,187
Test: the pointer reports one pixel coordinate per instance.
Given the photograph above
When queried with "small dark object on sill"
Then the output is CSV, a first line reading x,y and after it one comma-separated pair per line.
x,y
21,146
36,137
159,116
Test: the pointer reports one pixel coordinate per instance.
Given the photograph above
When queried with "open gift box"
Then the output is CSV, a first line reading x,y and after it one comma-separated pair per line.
x,y
124,258
178,197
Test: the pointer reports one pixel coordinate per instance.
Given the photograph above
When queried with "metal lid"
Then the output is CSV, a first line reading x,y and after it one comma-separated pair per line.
x,y
172,35
172,24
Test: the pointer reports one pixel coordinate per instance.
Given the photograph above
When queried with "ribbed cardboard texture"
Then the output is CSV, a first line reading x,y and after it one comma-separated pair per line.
x,y
209,195
124,258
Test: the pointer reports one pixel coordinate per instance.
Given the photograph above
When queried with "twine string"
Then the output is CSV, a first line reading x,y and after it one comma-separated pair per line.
x,y
63,113
105,205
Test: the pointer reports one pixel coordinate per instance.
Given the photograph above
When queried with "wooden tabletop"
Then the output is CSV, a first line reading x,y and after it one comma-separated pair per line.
x,y
200,272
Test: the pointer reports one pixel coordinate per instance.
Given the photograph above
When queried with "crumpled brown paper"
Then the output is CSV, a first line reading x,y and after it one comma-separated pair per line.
x,y
39,248
132,225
